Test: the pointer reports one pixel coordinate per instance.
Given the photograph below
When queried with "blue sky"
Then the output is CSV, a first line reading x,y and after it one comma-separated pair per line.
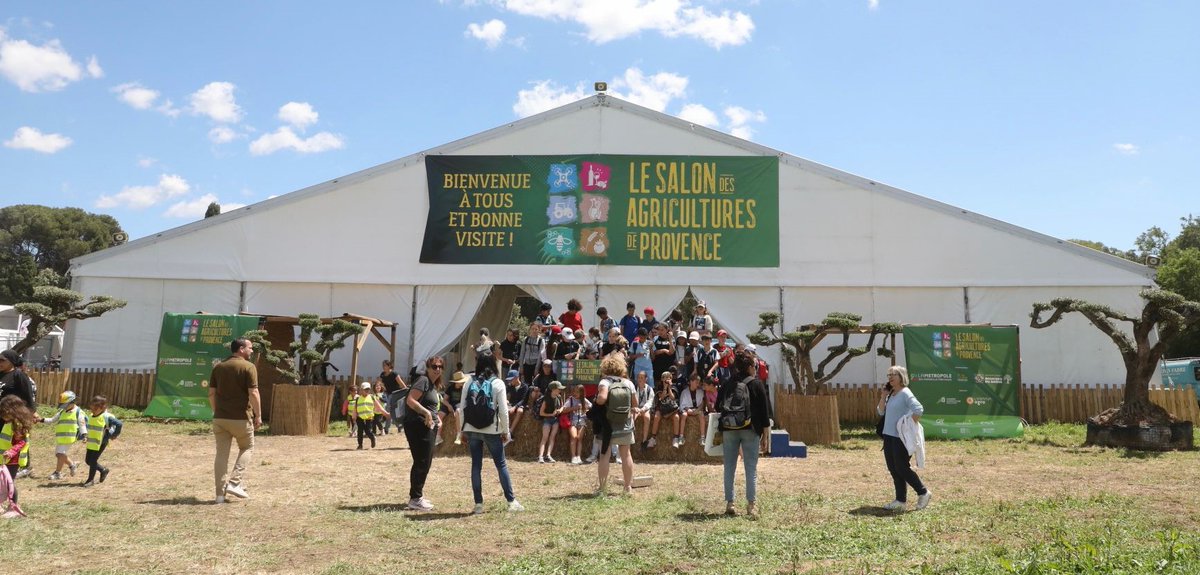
x,y
1078,119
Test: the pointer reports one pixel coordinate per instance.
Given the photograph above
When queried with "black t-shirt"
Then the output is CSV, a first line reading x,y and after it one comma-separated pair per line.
x,y
510,349
430,398
664,361
17,383
542,381
391,381
565,348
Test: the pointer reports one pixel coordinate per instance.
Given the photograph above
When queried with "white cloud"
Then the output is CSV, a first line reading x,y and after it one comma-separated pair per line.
x,y
141,197
26,138
608,20
93,68
546,95
1127,149
654,92
146,162
740,119
490,32
299,114
194,209
872,4
137,96
37,68
222,135
284,138
216,101
700,115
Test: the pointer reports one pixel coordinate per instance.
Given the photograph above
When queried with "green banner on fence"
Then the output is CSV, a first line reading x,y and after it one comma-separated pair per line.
x,y
188,348
968,377
603,209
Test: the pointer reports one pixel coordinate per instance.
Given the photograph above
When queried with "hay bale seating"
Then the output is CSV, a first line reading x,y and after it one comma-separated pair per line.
x,y
529,433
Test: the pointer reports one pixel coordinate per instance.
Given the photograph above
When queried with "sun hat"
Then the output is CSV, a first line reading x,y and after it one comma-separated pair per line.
x,y
694,335
459,377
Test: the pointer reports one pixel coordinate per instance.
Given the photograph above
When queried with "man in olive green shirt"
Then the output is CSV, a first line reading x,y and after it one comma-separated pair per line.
x,y
237,413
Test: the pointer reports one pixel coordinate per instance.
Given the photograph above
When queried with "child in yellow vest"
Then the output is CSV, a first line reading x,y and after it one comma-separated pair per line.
x,y
102,427
70,425
17,420
365,406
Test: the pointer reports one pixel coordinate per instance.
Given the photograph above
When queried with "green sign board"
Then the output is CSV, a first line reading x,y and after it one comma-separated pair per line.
x,y
967,377
188,348
603,209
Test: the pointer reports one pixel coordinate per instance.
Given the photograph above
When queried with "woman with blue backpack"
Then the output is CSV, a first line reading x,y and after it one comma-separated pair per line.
x,y
483,411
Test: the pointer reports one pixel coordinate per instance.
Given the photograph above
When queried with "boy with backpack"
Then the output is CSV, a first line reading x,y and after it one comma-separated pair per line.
x,y
483,413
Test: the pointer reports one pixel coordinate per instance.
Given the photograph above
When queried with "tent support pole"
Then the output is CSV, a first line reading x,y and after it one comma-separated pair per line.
x,y
412,331
242,297
596,302
966,305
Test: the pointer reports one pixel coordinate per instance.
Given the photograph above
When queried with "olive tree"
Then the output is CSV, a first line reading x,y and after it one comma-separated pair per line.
x,y
797,346
52,306
304,358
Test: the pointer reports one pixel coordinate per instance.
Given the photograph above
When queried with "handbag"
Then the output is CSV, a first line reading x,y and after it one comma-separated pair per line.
x,y
564,421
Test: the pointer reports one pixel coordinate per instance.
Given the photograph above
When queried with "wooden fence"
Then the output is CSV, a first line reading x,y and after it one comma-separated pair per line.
x,y
1039,404
126,388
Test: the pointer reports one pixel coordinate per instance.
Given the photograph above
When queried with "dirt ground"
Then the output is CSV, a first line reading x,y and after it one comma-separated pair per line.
x,y
318,505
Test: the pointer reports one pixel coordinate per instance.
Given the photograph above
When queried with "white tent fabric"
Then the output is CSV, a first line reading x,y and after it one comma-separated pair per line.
x,y
736,309
884,271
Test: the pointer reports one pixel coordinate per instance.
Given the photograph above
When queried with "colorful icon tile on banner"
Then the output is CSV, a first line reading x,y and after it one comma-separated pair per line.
x,y
560,243
563,178
562,210
595,177
595,209
593,242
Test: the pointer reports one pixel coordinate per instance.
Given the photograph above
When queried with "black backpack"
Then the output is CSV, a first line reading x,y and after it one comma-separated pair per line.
x,y
735,409
479,409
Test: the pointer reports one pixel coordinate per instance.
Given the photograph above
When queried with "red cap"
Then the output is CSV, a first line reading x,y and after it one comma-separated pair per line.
x,y
556,328
649,310
721,332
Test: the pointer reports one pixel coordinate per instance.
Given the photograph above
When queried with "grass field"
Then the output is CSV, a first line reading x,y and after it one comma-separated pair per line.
x,y
1040,504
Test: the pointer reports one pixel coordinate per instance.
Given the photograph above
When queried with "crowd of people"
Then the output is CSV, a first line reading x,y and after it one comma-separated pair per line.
x,y
647,381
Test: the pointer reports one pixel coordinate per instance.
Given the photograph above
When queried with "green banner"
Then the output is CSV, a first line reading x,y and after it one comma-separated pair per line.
x,y
188,348
968,377
603,209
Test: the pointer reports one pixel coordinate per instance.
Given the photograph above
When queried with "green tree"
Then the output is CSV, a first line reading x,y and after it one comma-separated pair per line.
x,y
1100,247
214,209
302,362
34,238
1167,311
1180,273
798,345
53,306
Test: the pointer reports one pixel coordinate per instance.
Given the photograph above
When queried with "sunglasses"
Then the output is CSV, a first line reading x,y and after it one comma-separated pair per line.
x,y
437,367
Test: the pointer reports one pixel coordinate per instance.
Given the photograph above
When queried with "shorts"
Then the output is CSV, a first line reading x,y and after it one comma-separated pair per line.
x,y
62,449
550,422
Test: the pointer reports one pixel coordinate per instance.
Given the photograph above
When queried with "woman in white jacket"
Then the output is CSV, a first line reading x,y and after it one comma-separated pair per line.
x,y
494,435
896,400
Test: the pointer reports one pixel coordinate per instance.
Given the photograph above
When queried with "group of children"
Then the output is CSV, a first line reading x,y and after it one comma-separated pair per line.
x,y
72,425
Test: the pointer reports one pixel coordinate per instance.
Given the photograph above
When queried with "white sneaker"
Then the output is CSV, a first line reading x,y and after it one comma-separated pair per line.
x,y
236,491
650,443
541,459
439,440
515,506
220,499
550,459
590,459
682,440
478,510
618,460
895,505
420,504
576,460
923,500
24,472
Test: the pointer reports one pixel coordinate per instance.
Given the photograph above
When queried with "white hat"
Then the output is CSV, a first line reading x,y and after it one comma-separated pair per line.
x,y
694,335
365,385
568,334
751,348
681,333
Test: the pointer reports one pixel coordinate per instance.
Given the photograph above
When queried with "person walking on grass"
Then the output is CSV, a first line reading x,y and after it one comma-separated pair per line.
x,y
897,402
237,414
70,425
17,421
483,411
366,408
421,427
744,413
102,427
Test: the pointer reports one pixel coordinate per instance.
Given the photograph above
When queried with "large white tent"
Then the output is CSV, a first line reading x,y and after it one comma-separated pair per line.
x,y
847,243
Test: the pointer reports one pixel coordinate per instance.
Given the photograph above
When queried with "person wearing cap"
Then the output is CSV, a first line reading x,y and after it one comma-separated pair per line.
x,y
544,376
533,351
572,318
454,393
701,321
517,392
662,350
568,348
553,338
550,409
705,360
14,381
365,406
70,426
648,321
237,414
691,345
722,370
630,322
681,354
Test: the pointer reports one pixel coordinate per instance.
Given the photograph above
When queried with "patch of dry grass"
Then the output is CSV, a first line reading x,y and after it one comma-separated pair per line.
x,y
320,506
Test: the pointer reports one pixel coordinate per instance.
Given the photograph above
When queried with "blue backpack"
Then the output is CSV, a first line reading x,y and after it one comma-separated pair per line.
x,y
479,409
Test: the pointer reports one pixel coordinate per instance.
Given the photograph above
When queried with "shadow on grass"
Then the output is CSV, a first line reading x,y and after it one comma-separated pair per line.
x,y
870,511
190,500
57,485
375,507
437,516
1135,454
699,517
574,497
